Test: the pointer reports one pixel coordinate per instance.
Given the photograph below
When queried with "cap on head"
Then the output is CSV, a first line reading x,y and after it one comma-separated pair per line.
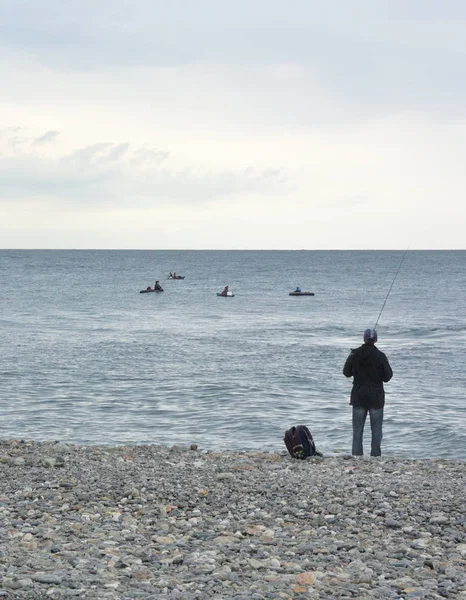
x,y
370,335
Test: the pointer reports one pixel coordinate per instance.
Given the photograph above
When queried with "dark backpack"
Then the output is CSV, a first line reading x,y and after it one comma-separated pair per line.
x,y
299,442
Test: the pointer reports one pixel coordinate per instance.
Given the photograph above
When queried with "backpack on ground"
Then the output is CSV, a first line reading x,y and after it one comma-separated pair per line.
x,y
299,443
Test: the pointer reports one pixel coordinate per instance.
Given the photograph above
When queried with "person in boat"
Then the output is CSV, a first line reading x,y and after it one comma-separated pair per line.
x,y
148,288
175,276
157,286
171,276
225,291
298,289
370,369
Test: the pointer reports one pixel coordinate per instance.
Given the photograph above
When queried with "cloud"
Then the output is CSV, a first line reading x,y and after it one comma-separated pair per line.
x,y
105,172
103,153
47,137
20,141
372,55
299,123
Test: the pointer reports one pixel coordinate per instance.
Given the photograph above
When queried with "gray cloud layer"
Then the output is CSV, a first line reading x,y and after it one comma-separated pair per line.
x,y
370,52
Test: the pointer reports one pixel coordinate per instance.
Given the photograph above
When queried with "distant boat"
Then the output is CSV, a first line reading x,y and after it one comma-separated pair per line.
x,y
228,295
148,290
301,294
177,277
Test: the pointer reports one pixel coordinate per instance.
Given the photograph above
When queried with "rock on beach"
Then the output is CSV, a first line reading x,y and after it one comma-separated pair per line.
x,y
146,522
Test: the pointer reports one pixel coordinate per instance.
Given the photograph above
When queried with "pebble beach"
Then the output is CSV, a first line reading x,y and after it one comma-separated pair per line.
x,y
146,522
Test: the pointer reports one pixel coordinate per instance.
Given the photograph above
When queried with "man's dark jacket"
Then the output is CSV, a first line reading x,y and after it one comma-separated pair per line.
x,y
370,368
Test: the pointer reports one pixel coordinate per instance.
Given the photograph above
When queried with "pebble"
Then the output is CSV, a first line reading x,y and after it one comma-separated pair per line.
x,y
143,522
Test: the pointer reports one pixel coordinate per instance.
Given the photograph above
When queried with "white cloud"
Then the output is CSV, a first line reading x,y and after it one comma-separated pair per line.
x,y
104,173
47,137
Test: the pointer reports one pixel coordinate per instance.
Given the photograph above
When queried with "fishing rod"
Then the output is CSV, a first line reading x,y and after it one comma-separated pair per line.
x,y
388,294
168,276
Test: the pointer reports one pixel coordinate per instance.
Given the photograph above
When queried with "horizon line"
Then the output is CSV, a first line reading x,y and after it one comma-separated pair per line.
x,y
237,249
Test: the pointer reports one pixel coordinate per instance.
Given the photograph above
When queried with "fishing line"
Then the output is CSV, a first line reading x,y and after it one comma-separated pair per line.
x,y
388,294
168,276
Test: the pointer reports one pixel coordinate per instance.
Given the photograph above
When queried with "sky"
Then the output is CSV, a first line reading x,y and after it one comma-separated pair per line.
x,y
253,124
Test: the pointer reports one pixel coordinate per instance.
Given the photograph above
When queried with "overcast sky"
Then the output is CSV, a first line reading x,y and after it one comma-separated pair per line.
x,y
246,124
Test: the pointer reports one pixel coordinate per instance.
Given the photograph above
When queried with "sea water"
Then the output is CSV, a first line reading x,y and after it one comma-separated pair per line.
x,y
86,358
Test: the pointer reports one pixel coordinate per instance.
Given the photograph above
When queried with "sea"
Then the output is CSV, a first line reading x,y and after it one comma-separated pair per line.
x,y
86,358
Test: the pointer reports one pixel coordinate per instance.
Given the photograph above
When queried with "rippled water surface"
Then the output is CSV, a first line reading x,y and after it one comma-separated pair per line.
x,y
86,358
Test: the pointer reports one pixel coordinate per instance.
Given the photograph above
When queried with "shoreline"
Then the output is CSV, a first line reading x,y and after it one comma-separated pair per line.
x,y
151,521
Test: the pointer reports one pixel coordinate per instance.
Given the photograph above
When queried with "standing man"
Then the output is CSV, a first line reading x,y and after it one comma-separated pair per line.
x,y
369,368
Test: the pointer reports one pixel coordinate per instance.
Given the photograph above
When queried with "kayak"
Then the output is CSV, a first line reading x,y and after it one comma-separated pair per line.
x,y
148,291
178,277
229,295
302,294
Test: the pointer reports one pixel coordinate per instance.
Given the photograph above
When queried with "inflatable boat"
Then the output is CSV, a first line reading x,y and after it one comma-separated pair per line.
x,y
177,277
302,294
150,290
229,295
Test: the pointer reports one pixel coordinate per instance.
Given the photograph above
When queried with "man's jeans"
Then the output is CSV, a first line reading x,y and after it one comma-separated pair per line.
x,y
359,419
